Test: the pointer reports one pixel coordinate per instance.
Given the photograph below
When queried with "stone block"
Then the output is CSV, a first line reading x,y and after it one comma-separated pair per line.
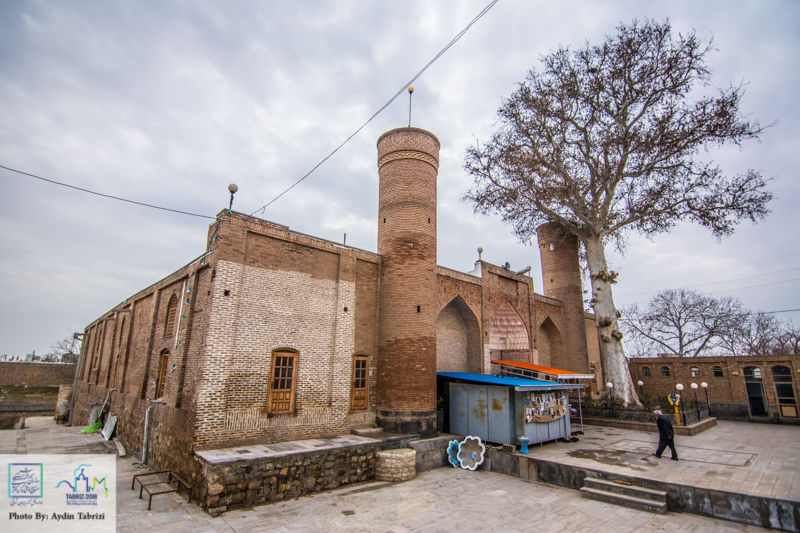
x,y
704,505
720,504
523,467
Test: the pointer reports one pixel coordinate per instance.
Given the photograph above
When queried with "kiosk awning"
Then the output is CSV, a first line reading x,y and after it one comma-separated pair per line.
x,y
519,384
555,373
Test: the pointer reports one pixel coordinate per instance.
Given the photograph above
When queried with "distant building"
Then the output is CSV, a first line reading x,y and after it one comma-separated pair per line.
x,y
745,388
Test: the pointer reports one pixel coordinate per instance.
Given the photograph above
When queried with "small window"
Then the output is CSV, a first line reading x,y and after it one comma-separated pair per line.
x,y
169,323
717,370
359,392
695,372
282,385
162,374
646,371
752,373
665,371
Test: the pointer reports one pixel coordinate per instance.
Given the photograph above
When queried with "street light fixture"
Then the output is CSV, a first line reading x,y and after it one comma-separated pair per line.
x,y
641,384
680,394
694,387
708,405
611,397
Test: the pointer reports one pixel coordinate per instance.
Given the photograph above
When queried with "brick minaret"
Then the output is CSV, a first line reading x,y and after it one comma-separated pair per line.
x,y
408,163
561,276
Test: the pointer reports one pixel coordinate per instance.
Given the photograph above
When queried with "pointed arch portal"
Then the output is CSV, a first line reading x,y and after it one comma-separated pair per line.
x,y
508,334
457,339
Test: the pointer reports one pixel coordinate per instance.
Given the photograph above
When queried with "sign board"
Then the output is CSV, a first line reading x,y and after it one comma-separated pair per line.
x,y
674,399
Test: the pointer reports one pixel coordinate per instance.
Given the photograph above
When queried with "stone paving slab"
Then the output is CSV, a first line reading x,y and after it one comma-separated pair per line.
x,y
713,459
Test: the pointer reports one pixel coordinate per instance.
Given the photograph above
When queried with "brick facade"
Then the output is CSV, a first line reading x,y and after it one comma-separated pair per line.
x,y
36,374
195,350
727,394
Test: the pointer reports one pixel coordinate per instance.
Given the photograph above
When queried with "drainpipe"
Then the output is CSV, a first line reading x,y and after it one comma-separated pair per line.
x,y
78,368
146,435
180,311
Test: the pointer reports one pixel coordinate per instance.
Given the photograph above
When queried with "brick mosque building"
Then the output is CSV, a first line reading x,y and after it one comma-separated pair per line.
x,y
273,335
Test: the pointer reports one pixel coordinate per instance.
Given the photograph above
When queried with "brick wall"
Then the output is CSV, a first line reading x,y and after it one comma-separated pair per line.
x,y
36,374
727,394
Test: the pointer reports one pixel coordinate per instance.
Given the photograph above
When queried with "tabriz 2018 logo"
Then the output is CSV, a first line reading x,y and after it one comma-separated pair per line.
x,y
82,493
25,484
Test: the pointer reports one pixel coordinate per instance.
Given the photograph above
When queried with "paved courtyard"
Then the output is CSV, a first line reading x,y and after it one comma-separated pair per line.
x,y
448,499
758,459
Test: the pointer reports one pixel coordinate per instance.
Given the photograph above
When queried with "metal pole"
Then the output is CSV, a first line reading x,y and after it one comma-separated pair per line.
x,y
580,408
708,405
683,411
78,367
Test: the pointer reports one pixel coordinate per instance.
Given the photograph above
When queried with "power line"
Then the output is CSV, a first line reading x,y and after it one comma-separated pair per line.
x,y
107,195
712,270
392,99
754,286
717,282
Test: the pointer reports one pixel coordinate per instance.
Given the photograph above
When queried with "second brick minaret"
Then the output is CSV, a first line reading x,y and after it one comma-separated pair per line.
x,y
408,163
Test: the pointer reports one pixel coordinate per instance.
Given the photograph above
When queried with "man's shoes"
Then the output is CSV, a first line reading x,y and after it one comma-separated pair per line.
x,y
674,458
656,456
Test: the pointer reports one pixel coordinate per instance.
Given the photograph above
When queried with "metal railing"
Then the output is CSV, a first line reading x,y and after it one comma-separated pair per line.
x,y
688,417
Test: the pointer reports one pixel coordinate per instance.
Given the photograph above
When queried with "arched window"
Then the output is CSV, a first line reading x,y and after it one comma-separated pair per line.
x,y
282,386
695,372
665,371
360,390
717,370
162,373
787,403
169,322
646,371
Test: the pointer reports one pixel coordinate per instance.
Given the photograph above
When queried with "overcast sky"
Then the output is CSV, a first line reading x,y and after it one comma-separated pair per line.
x,y
168,102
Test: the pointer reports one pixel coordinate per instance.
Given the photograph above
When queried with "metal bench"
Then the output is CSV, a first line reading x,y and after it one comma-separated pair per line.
x,y
152,487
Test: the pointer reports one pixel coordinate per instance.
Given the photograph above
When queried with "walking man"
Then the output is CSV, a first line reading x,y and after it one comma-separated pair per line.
x,y
666,437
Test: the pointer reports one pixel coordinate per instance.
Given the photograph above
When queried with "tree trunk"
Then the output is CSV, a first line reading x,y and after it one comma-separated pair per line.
x,y
615,364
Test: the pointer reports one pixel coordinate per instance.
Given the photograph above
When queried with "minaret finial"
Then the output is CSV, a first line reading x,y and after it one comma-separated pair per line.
x,y
410,92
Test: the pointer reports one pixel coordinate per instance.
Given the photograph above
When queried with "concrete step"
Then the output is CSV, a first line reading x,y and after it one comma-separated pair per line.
x,y
624,501
627,490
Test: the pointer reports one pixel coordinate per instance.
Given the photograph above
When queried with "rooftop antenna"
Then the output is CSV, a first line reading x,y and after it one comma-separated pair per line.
x,y
410,92
232,188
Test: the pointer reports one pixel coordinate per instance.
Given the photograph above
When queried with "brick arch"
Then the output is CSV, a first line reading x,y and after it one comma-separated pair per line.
x,y
458,338
550,345
508,335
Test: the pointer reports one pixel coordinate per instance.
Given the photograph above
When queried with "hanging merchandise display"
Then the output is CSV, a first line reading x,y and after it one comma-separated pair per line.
x,y
542,407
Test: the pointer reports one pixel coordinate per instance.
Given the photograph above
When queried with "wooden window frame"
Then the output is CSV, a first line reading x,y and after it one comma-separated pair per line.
x,y
646,371
162,374
169,320
666,369
274,391
717,369
694,371
359,401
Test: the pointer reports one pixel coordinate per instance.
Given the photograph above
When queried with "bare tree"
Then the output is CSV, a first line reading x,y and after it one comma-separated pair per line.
x,y
755,334
684,322
606,141
66,350
788,341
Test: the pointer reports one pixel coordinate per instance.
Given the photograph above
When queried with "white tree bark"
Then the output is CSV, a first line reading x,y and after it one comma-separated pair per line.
x,y
615,364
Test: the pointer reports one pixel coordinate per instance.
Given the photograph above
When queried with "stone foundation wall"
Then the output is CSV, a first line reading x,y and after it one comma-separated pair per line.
x,y
234,484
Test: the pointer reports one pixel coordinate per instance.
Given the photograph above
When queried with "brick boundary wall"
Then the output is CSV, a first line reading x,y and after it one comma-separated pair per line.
x,y
36,374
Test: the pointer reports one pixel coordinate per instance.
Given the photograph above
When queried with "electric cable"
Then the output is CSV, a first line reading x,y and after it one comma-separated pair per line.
x,y
712,270
392,99
106,195
717,282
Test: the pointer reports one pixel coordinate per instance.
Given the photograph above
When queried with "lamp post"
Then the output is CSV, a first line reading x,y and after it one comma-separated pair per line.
x,y
696,405
611,397
680,395
641,384
705,388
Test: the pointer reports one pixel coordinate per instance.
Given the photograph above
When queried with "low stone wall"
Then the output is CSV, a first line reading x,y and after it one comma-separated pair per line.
x,y
750,509
248,482
687,431
432,453
26,407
